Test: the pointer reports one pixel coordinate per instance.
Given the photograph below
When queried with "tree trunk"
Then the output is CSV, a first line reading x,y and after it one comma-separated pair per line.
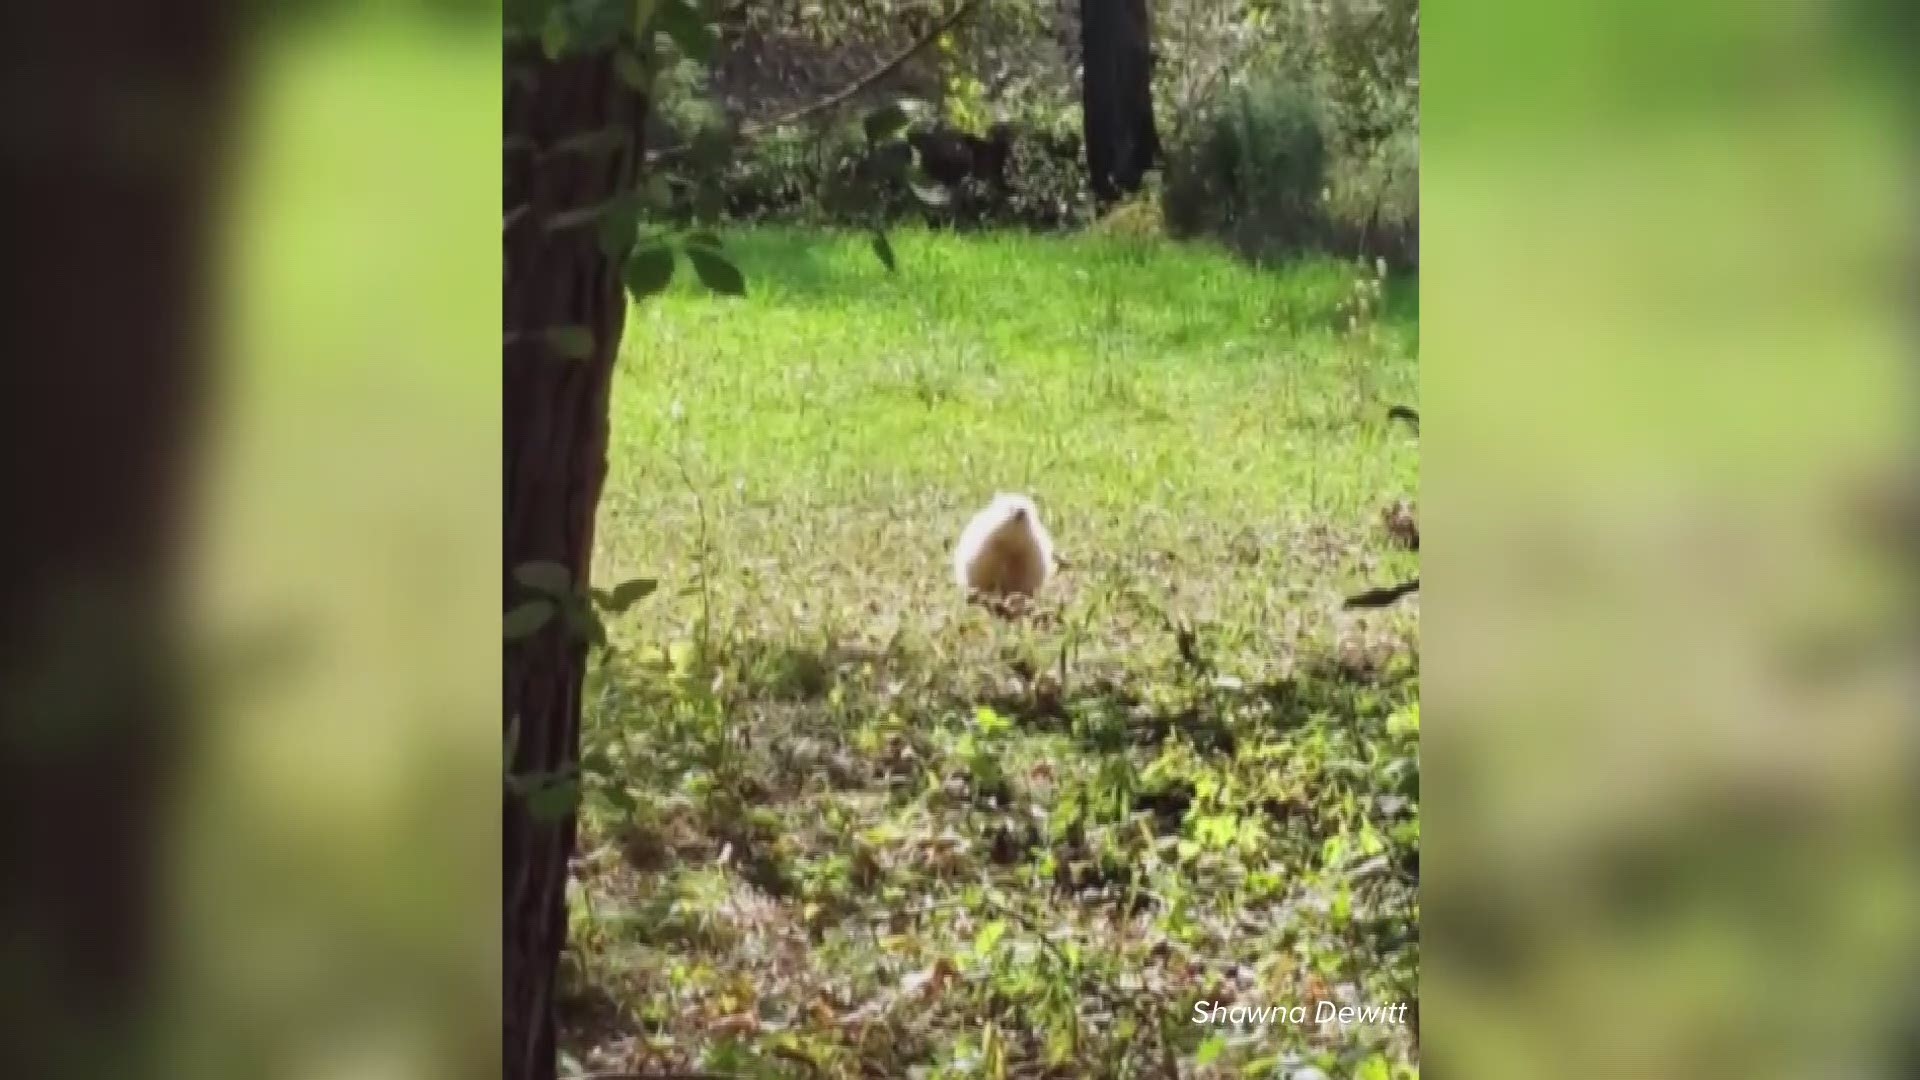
x,y
109,192
1116,98
555,421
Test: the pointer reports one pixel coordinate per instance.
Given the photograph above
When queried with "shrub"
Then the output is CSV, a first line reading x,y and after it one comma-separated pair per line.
x,y
822,174
1373,200
1047,181
788,173
1253,170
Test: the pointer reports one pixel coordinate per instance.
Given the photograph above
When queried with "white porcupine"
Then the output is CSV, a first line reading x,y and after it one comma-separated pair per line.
x,y
1004,551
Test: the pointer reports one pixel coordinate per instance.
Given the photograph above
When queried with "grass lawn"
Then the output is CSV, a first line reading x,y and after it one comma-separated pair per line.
x,y
862,828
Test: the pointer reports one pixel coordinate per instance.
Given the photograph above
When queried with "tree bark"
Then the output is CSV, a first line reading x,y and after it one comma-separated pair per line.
x,y
555,429
1116,51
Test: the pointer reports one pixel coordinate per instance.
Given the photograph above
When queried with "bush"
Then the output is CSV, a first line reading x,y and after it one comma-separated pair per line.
x,y
1357,65
788,173
1373,201
1047,181
824,175
1287,125
1253,171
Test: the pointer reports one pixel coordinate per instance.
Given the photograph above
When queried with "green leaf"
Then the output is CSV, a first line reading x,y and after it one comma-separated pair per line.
x,y
554,801
631,70
597,141
1374,1068
649,270
883,249
716,273
705,238
708,201
658,192
526,619
683,21
554,36
571,342
619,228
544,576
585,215
885,122
619,798
1210,1051
585,623
628,593
643,12
989,936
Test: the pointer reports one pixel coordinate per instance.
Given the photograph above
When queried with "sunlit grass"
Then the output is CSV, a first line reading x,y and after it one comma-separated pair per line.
x,y
810,736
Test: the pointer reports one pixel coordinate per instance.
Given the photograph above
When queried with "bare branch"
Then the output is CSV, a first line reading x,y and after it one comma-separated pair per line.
x,y
948,22
751,128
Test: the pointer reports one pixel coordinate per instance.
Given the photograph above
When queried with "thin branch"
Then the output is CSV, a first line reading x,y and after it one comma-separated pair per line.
x,y
831,100
750,128
654,1076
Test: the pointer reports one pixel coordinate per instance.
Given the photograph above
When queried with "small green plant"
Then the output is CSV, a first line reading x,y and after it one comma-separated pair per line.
x,y
1359,311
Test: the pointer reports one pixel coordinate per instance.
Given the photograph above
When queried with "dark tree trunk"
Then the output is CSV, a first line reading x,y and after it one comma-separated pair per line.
x,y
108,180
1116,98
555,421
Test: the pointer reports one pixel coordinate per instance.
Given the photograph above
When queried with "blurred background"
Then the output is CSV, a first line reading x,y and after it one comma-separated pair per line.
x,y
339,902
340,909
261,301
1668,469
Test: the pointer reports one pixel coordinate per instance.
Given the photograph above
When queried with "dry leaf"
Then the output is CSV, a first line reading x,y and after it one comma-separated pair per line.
x,y
737,1024
928,985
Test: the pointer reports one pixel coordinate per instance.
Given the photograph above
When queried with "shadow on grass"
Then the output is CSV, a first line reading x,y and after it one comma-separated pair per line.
x,y
1106,715
928,803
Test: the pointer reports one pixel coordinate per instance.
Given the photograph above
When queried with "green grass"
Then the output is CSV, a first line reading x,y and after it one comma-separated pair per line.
x,y
843,824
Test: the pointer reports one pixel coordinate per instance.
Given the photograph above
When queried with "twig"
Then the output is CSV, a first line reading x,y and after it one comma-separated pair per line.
x,y
751,128
946,23
654,1076
700,541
